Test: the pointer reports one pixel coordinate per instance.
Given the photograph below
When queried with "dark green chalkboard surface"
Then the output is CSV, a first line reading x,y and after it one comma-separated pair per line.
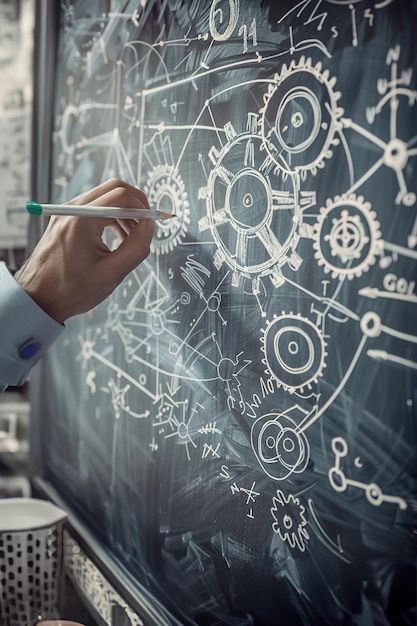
x,y
236,425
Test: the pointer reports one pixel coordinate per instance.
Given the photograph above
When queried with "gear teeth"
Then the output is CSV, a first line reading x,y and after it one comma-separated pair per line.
x,y
306,327
356,216
168,235
330,97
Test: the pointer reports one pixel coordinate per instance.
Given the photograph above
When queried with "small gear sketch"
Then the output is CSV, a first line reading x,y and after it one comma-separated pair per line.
x,y
346,236
294,351
166,192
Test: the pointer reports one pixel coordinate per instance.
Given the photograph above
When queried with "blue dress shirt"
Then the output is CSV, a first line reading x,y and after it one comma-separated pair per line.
x,y
26,331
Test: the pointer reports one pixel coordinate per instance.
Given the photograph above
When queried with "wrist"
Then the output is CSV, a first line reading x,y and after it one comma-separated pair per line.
x,y
45,296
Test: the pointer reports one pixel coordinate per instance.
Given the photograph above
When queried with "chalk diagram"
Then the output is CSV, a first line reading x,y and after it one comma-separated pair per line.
x,y
301,117
340,483
347,236
252,224
254,215
166,192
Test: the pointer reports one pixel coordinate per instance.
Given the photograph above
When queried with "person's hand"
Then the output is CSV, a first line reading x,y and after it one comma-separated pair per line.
x,y
71,270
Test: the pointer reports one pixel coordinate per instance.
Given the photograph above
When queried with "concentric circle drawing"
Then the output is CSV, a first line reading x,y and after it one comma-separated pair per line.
x,y
166,192
294,351
346,236
279,447
300,117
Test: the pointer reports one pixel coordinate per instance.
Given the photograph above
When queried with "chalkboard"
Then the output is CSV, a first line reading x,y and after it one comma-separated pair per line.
x,y
236,425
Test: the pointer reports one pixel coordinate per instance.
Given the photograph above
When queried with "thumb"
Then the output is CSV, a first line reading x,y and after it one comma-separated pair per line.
x,y
133,249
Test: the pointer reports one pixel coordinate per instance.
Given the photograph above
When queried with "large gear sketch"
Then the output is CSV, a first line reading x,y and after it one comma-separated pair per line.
x,y
253,212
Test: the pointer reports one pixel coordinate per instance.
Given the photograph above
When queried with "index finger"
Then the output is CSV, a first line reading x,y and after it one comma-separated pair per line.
x,y
124,194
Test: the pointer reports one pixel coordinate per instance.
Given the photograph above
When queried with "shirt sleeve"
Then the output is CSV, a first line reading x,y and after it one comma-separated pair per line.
x,y
26,331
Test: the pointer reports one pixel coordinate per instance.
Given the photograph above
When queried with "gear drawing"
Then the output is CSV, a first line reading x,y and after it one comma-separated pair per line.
x,y
346,236
255,226
300,117
294,351
166,192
